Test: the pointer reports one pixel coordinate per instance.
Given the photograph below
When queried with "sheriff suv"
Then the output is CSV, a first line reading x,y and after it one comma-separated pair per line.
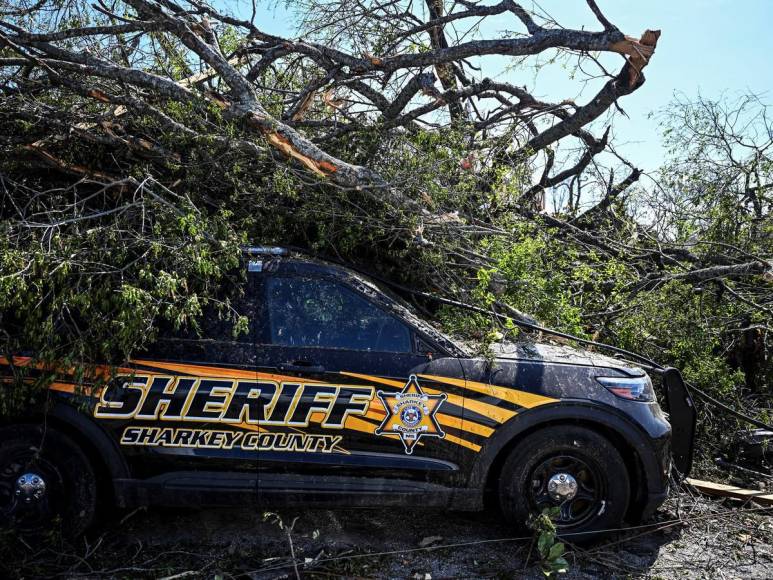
x,y
339,394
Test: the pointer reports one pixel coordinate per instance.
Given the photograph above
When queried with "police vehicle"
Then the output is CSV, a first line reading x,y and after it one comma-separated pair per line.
x,y
339,395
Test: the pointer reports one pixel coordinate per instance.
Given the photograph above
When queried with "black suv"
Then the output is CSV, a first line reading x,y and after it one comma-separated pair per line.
x,y
339,395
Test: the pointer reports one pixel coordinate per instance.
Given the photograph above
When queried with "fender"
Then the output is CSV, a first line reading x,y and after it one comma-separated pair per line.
x,y
106,447
570,410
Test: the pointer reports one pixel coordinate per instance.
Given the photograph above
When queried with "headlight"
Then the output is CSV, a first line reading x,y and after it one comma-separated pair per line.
x,y
634,389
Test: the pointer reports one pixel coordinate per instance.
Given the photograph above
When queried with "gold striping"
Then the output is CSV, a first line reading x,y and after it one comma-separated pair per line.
x,y
467,426
218,372
375,414
357,424
520,398
26,361
62,387
251,427
390,382
469,445
490,411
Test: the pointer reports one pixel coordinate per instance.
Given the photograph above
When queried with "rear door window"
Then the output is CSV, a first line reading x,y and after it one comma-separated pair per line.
x,y
217,336
309,312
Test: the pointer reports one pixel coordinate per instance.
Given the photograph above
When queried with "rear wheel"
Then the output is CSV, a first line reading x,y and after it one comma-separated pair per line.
x,y
45,481
573,469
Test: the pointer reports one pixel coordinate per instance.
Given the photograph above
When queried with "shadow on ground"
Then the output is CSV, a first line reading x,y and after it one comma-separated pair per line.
x,y
690,537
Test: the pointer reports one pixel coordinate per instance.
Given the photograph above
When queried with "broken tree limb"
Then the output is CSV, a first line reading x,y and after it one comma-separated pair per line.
x,y
751,268
369,78
628,80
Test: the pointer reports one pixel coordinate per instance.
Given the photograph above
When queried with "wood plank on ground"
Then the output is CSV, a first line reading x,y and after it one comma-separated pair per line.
x,y
723,490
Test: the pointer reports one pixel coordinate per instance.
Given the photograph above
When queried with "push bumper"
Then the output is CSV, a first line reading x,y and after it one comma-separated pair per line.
x,y
682,415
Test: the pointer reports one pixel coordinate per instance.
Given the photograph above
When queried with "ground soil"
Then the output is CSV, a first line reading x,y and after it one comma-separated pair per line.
x,y
690,537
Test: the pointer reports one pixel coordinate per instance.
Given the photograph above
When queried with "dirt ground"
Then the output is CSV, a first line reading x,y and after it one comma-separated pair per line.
x,y
690,537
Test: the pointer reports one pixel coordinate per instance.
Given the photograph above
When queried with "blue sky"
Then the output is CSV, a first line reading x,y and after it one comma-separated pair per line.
x,y
709,47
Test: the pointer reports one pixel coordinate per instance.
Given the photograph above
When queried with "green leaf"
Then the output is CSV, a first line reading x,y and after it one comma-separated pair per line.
x,y
559,565
555,551
544,543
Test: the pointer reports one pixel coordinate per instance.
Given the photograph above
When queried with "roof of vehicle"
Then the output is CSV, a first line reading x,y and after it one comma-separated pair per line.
x,y
288,261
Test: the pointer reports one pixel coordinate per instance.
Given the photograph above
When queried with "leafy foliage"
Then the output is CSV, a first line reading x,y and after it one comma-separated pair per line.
x,y
549,549
124,204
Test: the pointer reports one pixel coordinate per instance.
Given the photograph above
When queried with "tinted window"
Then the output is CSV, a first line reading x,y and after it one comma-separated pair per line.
x,y
214,340
310,312
215,323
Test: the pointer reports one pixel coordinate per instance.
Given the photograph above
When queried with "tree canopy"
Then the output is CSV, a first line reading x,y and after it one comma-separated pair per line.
x,y
143,141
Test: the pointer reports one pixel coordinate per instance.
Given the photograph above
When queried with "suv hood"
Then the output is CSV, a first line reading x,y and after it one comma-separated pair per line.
x,y
559,354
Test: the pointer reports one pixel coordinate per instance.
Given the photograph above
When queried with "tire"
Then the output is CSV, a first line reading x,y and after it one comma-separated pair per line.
x,y
66,499
591,466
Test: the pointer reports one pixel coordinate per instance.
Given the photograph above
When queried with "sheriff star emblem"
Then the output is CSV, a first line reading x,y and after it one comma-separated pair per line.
x,y
410,414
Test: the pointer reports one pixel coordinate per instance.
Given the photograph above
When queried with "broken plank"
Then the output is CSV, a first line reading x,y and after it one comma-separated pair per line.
x,y
723,490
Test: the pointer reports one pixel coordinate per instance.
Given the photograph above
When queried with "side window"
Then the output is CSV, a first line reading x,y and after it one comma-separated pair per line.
x,y
214,341
215,323
320,313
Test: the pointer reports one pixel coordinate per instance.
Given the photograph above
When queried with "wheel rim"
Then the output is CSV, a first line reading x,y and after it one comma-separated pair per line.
x,y
571,484
30,488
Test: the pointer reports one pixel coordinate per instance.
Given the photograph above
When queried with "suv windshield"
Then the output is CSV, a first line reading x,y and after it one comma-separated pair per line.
x,y
406,311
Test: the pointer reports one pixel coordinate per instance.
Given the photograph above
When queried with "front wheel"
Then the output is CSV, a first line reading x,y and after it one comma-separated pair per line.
x,y
46,482
575,472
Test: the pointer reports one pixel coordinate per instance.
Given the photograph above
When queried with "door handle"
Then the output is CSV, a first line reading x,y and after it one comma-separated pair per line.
x,y
302,366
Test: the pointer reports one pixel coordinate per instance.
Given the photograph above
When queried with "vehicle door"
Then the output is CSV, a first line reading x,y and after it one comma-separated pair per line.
x,y
179,407
357,388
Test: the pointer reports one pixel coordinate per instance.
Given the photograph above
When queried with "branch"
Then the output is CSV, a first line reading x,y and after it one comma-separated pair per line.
x,y
600,16
594,148
542,40
627,81
753,268
138,26
420,82
612,194
280,136
445,71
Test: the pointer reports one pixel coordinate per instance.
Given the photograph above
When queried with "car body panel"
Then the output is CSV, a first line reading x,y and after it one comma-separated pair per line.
x,y
226,420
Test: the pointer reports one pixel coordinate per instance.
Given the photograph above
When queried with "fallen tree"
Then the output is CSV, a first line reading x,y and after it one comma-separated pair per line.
x,y
144,141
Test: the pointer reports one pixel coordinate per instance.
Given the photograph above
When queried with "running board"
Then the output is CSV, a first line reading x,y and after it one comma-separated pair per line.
x,y
351,491
187,488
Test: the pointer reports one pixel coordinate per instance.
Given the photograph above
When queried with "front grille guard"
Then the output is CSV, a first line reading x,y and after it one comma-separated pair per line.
x,y
683,416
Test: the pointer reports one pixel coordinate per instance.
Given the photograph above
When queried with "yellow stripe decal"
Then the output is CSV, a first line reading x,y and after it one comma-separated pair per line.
x,y
520,398
374,379
447,420
25,361
462,442
251,427
468,426
62,387
206,371
491,411
357,424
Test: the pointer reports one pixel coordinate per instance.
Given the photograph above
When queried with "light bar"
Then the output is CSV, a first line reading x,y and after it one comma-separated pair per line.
x,y
265,251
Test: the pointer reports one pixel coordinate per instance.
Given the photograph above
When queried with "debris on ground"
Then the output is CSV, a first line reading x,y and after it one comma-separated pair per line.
x,y
692,536
761,497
